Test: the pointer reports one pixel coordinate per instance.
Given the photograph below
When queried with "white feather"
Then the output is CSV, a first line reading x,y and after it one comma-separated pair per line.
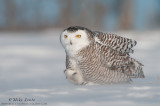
x,y
77,43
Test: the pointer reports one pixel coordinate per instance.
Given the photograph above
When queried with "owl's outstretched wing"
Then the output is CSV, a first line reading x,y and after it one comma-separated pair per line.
x,y
115,42
114,52
120,62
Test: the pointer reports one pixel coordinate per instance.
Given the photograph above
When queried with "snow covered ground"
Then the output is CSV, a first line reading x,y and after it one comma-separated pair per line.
x,y
32,64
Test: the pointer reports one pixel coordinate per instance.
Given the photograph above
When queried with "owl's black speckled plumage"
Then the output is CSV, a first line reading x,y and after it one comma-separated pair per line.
x,y
104,60
76,28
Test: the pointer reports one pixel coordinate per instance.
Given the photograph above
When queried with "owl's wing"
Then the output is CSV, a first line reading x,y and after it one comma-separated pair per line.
x,y
117,61
115,42
68,63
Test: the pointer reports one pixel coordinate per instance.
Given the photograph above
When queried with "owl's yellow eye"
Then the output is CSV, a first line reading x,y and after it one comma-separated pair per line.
x,y
78,36
65,36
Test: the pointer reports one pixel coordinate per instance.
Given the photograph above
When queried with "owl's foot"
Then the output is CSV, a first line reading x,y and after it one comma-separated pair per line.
x,y
74,76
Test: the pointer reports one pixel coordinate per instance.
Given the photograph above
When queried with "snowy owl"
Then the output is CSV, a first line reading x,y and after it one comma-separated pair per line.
x,y
95,58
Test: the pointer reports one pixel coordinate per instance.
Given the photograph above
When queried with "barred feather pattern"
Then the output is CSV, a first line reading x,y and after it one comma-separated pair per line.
x,y
102,58
121,44
94,68
68,63
101,64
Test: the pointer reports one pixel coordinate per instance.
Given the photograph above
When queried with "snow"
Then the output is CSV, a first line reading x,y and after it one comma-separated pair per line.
x,y
32,65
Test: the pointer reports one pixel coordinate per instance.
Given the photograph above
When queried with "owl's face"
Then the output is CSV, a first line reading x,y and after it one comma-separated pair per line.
x,y
74,40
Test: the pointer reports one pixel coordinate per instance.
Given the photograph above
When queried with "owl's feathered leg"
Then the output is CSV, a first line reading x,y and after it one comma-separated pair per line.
x,y
74,76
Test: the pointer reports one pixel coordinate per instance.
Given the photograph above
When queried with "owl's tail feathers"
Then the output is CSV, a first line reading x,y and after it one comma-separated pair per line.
x,y
134,69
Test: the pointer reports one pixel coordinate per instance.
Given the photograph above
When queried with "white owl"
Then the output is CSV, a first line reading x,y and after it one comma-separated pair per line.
x,y
94,57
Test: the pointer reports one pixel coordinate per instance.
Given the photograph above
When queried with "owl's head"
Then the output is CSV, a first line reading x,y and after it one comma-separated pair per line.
x,y
76,37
